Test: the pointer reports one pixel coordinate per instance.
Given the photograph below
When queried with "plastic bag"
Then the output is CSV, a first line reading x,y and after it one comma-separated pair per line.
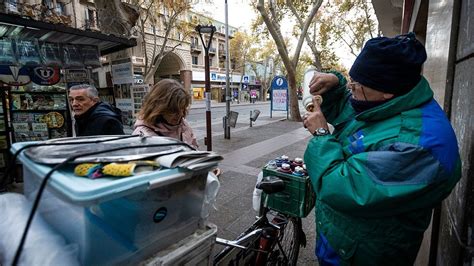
x,y
42,247
72,56
91,56
50,54
27,52
7,55
257,194
212,188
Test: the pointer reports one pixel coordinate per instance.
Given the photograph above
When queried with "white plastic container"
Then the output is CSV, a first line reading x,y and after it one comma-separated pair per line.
x,y
195,249
118,220
307,97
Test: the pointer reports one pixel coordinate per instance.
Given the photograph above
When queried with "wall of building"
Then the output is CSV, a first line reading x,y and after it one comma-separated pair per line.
x,y
450,45
456,216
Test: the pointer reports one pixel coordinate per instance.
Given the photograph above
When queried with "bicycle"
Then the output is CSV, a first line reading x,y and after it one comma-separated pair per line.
x,y
273,239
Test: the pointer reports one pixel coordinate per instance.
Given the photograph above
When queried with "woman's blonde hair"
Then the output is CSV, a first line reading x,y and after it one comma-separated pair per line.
x,y
167,96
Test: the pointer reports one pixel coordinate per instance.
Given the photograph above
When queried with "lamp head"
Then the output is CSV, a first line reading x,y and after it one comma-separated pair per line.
x,y
205,29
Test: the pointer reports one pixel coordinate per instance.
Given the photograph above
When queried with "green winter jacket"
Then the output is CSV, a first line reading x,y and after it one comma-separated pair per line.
x,y
378,176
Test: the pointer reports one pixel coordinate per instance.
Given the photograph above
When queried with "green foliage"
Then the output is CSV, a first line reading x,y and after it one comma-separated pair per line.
x,y
239,48
355,24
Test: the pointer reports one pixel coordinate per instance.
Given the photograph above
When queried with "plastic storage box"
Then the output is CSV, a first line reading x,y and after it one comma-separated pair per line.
x,y
118,220
194,250
297,199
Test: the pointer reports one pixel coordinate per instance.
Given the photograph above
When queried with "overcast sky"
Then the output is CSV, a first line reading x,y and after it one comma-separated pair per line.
x,y
240,12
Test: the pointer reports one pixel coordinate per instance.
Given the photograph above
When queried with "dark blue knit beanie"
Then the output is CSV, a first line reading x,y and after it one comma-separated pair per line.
x,y
391,65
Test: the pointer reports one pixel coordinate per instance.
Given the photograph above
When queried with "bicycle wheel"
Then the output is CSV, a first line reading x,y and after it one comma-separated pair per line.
x,y
285,251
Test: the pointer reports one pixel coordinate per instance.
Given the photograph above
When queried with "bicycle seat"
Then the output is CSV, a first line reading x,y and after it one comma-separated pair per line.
x,y
273,185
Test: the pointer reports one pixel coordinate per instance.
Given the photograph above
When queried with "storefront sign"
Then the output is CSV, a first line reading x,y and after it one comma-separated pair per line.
x,y
279,99
124,104
45,75
217,77
279,89
122,73
76,75
15,76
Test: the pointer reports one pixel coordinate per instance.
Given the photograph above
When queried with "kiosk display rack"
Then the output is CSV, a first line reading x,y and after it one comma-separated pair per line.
x,y
4,135
39,112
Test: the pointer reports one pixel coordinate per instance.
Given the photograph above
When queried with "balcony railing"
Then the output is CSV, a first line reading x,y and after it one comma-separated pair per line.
x,y
221,53
90,24
212,50
195,47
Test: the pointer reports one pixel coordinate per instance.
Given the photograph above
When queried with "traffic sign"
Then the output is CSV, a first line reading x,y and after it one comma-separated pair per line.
x,y
246,80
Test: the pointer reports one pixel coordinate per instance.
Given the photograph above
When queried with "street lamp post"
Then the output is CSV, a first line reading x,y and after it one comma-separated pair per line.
x,y
227,89
207,29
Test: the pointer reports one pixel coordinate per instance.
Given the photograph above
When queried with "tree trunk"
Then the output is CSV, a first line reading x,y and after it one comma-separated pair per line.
x,y
290,64
294,105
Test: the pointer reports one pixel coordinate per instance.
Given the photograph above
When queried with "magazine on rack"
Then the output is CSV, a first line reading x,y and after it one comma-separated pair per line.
x,y
193,160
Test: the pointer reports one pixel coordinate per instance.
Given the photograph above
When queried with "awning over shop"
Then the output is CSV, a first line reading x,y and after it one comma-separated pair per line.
x,y
14,26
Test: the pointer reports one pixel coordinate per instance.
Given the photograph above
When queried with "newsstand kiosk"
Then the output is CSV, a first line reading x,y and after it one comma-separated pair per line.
x,y
130,205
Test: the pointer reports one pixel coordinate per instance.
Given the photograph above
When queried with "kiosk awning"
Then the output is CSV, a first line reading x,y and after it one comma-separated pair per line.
x,y
14,26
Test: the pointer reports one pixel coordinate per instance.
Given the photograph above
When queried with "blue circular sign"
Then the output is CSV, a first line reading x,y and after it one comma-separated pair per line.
x,y
279,82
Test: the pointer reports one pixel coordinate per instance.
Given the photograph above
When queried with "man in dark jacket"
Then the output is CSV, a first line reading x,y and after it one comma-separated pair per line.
x,y
92,116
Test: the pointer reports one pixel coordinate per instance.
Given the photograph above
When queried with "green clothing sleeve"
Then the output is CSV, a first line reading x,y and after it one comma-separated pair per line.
x,y
335,101
375,183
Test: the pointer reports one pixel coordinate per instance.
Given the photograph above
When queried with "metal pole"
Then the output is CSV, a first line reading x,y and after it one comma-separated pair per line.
x,y
207,29
250,118
208,100
227,89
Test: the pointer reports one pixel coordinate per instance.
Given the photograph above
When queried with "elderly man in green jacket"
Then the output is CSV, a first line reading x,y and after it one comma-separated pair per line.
x,y
392,157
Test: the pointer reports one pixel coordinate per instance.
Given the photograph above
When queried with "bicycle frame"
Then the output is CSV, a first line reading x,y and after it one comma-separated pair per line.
x,y
236,252
252,246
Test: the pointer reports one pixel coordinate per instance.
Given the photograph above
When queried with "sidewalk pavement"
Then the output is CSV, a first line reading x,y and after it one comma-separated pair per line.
x,y
200,104
245,154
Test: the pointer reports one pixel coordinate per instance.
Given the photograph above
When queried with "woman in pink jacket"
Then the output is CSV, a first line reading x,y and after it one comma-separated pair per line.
x,y
163,113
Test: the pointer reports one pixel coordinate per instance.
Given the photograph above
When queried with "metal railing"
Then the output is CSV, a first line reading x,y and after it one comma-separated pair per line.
x,y
196,47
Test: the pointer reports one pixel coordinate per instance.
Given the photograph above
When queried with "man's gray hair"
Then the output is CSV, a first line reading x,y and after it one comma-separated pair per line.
x,y
91,89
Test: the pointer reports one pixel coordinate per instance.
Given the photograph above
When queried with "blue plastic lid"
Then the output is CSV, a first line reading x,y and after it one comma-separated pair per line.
x,y
85,191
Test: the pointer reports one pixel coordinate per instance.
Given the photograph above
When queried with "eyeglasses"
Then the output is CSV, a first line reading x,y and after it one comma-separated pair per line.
x,y
352,85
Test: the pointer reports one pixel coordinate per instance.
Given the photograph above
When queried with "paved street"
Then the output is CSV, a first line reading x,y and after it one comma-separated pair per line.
x,y
244,154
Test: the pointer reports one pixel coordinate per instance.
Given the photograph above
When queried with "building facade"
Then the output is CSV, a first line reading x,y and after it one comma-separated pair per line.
x,y
184,59
217,61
